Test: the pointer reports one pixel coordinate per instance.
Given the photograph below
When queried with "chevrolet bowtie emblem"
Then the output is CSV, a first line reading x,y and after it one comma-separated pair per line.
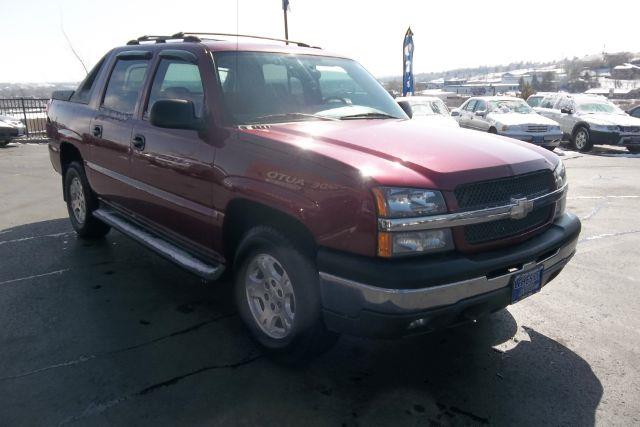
x,y
520,208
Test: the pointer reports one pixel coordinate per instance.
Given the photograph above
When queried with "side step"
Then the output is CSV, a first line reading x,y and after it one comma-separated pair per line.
x,y
168,250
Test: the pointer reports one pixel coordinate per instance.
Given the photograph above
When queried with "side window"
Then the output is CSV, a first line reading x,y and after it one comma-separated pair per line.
x,y
480,106
125,85
83,93
470,105
176,79
548,102
636,113
565,103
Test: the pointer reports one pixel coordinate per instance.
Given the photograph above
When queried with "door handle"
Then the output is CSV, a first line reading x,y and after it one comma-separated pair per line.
x,y
97,131
138,142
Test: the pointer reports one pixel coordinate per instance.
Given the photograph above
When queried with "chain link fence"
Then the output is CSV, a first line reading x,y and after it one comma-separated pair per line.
x,y
31,112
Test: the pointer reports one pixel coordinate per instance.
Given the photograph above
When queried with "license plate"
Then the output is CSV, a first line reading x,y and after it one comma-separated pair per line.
x,y
525,284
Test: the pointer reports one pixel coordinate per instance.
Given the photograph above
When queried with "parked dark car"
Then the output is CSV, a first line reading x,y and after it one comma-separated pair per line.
x,y
296,171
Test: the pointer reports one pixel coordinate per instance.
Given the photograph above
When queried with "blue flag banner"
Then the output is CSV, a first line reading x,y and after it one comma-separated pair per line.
x,y
407,64
285,5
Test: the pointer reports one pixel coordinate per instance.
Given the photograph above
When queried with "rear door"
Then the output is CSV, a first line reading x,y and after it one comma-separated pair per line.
x,y
111,127
174,167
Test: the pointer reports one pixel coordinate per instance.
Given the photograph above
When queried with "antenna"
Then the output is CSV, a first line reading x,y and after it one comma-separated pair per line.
x,y
70,44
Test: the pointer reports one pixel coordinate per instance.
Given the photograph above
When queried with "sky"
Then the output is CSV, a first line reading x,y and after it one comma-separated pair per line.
x,y
447,34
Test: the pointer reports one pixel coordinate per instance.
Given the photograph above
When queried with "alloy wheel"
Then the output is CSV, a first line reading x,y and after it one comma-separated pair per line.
x,y
270,296
77,199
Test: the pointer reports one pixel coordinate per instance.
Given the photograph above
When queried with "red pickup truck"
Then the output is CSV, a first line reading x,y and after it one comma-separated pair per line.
x,y
294,169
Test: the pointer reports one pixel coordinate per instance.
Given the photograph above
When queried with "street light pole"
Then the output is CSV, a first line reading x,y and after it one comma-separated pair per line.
x,y
285,6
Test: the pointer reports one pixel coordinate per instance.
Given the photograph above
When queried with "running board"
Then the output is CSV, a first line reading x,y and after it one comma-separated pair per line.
x,y
184,259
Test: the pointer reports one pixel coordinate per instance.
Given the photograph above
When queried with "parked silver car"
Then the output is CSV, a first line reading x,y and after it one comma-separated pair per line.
x,y
427,108
508,116
591,119
10,128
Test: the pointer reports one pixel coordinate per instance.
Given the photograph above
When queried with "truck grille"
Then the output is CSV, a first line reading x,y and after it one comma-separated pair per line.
x,y
503,228
536,128
499,192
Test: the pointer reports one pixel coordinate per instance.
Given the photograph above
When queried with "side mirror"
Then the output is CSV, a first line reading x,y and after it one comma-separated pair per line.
x,y
175,114
406,107
455,113
566,111
481,113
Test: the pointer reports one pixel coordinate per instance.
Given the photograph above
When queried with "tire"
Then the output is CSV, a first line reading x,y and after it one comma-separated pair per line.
x,y
633,149
550,148
493,130
278,297
4,143
582,139
81,202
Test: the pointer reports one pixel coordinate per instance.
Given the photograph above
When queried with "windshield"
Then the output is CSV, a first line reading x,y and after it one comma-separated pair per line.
x,y
265,87
509,106
429,108
534,101
598,107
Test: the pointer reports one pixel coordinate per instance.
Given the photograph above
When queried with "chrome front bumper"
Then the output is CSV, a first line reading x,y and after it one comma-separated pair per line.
x,y
347,301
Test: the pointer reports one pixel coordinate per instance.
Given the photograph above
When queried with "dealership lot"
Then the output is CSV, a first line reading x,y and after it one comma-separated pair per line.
x,y
107,332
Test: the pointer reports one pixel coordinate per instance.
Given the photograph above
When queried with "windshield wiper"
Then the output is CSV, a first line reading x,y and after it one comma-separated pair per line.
x,y
292,116
368,116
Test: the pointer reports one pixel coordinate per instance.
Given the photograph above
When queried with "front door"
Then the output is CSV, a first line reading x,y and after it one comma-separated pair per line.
x,y
173,168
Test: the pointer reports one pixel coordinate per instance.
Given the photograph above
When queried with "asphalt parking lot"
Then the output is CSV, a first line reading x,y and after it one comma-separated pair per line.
x,y
106,332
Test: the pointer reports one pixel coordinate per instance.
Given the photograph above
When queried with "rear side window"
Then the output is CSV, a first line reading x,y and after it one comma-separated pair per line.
x,y
125,85
176,79
83,93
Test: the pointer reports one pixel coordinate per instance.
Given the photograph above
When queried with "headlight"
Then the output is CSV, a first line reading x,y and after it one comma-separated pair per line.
x,y
393,202
560,174
606,128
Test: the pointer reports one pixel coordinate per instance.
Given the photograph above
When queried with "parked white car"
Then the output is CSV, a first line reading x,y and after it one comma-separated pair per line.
x,y
590,120
10,128
428,108
508,116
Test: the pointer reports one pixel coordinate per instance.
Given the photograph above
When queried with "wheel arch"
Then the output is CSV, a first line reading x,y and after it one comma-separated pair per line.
x,y
242,214
68,154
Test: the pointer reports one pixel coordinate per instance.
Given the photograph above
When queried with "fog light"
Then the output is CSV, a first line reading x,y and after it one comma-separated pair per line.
x,y
417,324
422,241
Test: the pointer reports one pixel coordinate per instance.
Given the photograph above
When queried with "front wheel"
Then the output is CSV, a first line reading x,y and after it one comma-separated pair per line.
x,y
81,202
278,297
582,140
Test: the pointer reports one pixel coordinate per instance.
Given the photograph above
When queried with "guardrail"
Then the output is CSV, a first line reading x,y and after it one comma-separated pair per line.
x,y
30,111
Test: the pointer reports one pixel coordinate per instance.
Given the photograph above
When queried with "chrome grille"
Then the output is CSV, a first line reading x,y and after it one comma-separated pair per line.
x,y
504,228
536,128
630,129
499,192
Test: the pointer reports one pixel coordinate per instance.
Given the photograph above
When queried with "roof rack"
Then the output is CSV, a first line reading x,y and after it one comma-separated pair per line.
x,y
196,34
163,39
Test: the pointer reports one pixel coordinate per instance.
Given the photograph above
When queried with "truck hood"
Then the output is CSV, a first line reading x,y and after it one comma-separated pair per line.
x,y
410,152
604,119
521,119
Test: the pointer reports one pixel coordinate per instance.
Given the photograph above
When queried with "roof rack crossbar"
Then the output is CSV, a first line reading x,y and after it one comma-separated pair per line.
x,y
189,33
163,39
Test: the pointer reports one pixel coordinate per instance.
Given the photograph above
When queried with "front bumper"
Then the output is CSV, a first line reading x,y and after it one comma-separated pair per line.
x,y
614,138
543,139
386,298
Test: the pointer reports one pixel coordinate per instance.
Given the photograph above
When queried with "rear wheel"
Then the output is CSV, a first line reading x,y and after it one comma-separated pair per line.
x,y
81,202
278,297
634,149
582,139
5,142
